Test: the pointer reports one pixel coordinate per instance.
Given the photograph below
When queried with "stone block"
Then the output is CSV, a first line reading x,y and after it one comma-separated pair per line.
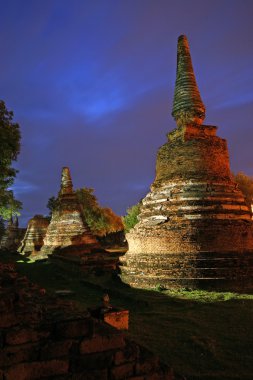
x,y
24,335
8,319
11,355
74,328
90,362
130,353
123,371
90,375
118,319
37,370
55,349
160,375
100,343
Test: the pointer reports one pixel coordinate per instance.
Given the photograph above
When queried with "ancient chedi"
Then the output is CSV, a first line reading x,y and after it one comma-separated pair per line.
x,y
35,233
67,231
194,227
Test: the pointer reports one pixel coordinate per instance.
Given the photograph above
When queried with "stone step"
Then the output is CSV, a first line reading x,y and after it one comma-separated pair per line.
x,y
213,284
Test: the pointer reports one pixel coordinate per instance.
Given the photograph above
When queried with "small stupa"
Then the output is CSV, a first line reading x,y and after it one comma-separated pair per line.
x,y
68,236
67,229
194,229
35,233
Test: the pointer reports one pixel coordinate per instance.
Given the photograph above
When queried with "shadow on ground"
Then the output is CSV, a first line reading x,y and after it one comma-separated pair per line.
x,y
203,335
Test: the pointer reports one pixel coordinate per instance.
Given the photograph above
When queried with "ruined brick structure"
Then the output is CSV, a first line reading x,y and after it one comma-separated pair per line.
x,y
68,236
35,233
194,228
67,227
42,337
12,236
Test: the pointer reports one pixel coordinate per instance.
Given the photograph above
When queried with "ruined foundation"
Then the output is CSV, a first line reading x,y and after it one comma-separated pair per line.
x,y
35,233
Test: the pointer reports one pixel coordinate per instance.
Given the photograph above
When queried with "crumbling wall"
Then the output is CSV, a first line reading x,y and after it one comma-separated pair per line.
x,y
42,337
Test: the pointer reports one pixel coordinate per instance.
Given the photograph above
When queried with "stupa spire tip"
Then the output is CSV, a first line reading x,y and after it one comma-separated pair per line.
x,y
66,181
188,107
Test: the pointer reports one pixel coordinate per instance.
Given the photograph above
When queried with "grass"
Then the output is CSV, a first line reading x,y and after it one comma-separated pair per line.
x,y
202,335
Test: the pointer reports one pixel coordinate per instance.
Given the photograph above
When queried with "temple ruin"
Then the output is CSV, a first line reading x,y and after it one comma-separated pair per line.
x,y
67,227
12,236
45,337
68,235
35,233
194,228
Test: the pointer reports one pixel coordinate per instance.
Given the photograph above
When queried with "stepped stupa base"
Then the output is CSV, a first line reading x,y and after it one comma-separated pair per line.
x,y
213,254
214,271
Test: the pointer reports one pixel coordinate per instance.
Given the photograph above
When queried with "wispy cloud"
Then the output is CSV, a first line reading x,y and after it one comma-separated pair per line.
x,y
23,187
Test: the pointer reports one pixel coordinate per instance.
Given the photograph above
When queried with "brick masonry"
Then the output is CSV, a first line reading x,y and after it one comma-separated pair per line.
x,y
42,337
194,227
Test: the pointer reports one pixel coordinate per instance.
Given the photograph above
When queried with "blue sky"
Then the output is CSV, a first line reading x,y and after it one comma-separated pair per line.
x,y
91,84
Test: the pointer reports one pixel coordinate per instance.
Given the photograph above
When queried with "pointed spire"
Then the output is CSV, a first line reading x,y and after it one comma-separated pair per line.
x,y
188,107
66,182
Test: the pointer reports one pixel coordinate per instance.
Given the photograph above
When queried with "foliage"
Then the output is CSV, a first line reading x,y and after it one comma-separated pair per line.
x,y
52,204
131,218
101,220
9,150
2,229
245,184
9,205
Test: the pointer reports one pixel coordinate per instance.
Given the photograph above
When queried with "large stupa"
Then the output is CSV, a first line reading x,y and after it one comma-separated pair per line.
x,y
194,229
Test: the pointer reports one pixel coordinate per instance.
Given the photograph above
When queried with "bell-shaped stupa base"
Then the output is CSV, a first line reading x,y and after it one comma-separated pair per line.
x,y
194,229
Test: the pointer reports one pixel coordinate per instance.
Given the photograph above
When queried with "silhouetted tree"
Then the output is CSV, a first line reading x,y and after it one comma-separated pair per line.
x,y
9,150
52,204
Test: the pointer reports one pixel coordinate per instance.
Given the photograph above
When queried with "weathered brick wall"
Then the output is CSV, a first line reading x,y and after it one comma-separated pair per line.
x,y
193,156
42,337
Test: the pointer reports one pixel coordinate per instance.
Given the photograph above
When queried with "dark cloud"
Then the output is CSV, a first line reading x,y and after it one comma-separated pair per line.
x,y
91,84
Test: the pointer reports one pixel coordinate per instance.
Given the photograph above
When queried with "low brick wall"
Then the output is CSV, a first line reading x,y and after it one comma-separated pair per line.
x,y
42,337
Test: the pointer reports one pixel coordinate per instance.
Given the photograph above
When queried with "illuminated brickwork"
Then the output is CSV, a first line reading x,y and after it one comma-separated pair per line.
x,y
35,233
194,228
67,229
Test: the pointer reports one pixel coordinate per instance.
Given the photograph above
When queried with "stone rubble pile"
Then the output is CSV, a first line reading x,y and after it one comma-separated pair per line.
x,y
42,337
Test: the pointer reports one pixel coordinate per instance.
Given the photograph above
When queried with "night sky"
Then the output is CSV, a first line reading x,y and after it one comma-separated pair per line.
x,y
91,84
